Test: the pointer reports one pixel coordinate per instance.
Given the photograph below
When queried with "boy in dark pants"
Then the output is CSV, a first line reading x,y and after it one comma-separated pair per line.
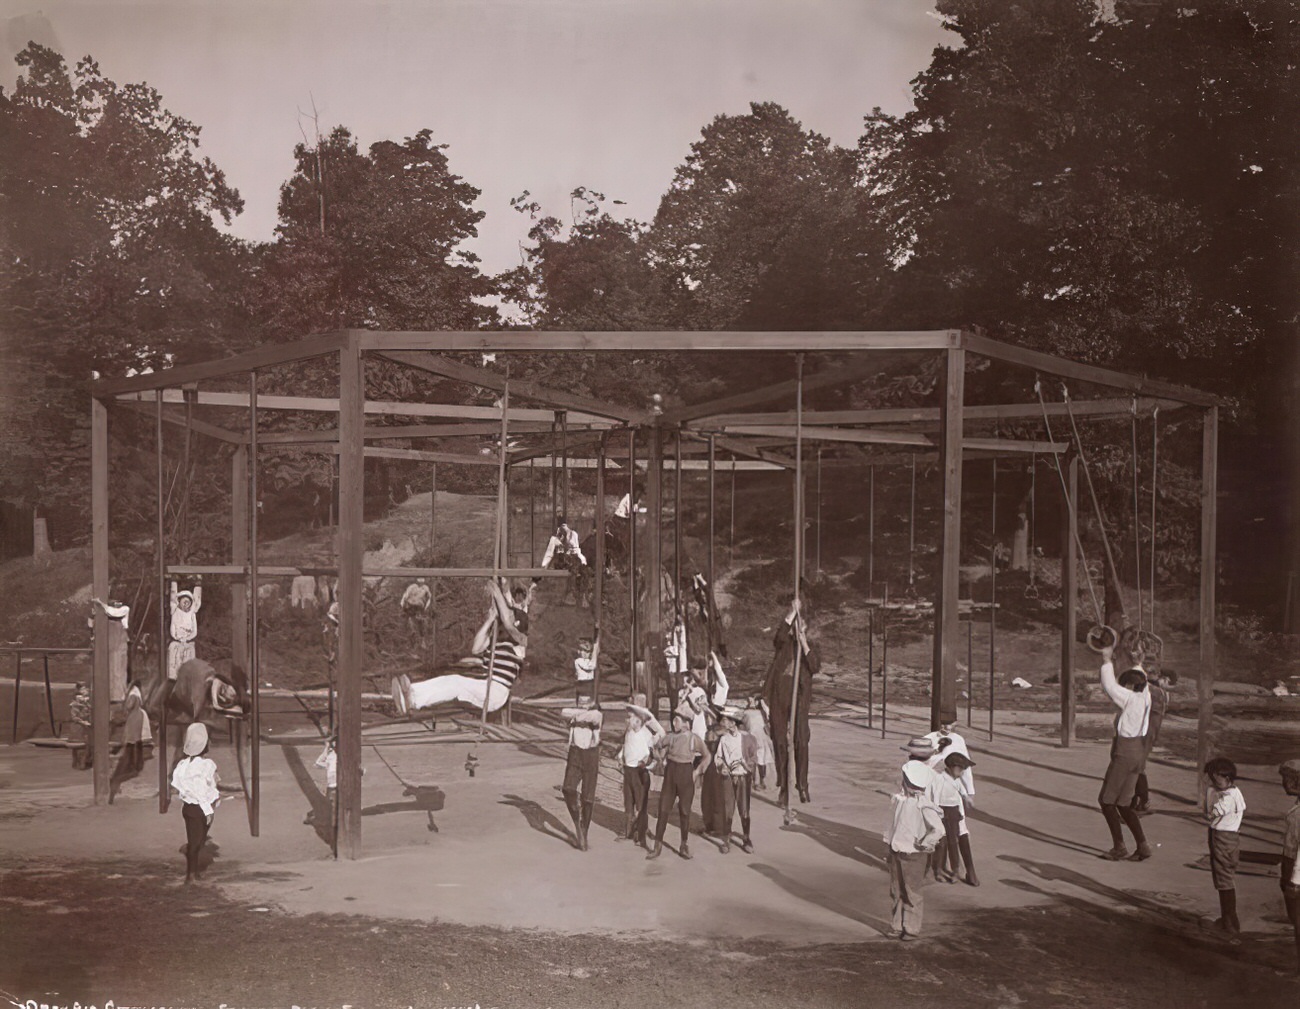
x,y
1224,808
582,764
643,731
1290,772
1127,757
685,758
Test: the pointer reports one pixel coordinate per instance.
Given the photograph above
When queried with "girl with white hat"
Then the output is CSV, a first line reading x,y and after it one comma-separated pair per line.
x,y
195,780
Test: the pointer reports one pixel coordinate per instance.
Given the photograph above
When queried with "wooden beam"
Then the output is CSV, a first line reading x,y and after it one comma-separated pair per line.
x,y
417,454
265,356
254,624
1209,586
747,452
1069,593
695,342
382,432
240,571
486,379
99,583
390,408
651,644
351,546
828,377
1078,372
1099,408
943,694
198,426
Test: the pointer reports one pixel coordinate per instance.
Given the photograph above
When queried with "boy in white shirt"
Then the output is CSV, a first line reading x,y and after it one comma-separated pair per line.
x,y
643,731
1224,808
584,666
1128,755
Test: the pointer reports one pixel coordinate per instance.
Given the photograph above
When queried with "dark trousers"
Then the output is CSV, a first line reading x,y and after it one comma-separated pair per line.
x,y
679,786
580,772
636,792
780,725
735,798
196,832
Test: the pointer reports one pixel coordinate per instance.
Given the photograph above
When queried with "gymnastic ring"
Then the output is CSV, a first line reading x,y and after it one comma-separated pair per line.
x,y
1151,643
1095,638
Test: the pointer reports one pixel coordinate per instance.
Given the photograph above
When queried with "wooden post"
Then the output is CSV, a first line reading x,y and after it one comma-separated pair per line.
x,y
652,630
164,791
796,647
433,582
239,630
564,464
99,568
1069,593
1209,571
677,526
943,693
498,548
350,548
633,634
254,649
598,604
710,594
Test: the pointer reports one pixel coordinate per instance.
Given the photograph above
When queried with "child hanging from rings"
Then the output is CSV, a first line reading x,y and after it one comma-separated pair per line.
x,y
184,625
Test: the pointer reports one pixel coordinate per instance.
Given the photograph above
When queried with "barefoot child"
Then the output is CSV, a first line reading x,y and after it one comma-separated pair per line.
x,y
1224,808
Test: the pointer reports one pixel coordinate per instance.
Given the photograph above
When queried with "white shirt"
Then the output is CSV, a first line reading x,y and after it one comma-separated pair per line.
x,y
584,726
958,745
638,743
417,596
195,780
1225,809
731,754
931,786
695,696
947,789
584,669
329,760
1134,705
624,508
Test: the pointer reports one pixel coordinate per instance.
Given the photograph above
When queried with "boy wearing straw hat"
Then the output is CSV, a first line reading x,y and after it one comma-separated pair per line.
x,y
643,731
737,758
914,829
195,780
685,759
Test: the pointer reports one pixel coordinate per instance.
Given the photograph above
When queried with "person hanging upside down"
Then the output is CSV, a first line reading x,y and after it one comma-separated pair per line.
x,y
500,667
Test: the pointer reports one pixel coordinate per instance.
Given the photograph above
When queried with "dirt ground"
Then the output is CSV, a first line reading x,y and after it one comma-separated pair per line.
x,y
469,891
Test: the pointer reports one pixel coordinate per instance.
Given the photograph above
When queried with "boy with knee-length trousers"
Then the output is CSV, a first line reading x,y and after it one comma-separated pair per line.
x,y
685,758
914,830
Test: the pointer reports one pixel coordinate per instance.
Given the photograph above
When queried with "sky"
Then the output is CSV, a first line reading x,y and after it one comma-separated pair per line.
x,y
538,95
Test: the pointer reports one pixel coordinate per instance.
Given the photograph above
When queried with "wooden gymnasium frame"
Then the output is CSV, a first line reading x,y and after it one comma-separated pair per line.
x,y
730,425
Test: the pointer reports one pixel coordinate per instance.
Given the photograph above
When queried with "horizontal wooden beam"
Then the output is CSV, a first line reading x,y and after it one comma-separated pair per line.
x,y
265,356
930,414
326,404
293,571
485,379
875,436
722,465
383,432
198,426
1078,372
695,342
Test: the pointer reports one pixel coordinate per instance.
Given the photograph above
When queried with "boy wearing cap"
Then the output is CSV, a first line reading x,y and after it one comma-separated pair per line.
x,y
582,764
737,758
956,743
914,830
1290,879
195,780
643,731
920,751
1127,756
685,757
1225,808
949,795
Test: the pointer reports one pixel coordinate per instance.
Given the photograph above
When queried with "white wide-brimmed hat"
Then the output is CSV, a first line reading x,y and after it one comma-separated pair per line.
x,y
196,739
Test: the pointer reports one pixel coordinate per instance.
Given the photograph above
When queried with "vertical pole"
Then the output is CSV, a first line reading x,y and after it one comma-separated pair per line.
x,y
1069,595
350,546
564,471
433,582
164,792
817,568
498,548
99,564
532,513
554,500
871,664
1209,563
884,665
254,647
598,604
731,542
797,649
18,683
633,634
652,647
943,693
49,697
709,595
871,529
677,526
970,664
911,530
993,595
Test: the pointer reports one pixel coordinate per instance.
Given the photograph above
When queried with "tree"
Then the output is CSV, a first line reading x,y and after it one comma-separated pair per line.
x,y
110,259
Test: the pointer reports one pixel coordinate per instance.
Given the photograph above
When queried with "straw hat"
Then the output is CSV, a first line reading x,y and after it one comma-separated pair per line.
x,y
958,760
919,746
732,712
196,739
685,711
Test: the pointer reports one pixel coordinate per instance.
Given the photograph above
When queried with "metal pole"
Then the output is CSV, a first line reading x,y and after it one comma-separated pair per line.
x,y
598,604
633,637
100,563
564,449
731,543
818,567
677,528
49,698
871,665
796,647
18,682
884,665
993,589
254,649
709,596
433,582
911,531
164,789
970,664
871,529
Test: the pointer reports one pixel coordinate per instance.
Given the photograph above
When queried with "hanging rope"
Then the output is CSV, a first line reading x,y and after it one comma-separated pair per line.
x,y
911,535
1095,636
1031,590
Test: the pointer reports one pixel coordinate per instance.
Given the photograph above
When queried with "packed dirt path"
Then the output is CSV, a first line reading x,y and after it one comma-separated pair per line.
x,y
470,892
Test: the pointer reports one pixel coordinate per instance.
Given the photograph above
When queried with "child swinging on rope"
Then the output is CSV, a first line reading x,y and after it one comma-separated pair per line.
x,y
500,667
